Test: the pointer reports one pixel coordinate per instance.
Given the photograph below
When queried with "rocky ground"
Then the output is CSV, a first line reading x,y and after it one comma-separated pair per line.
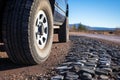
x,y
85,59
90,59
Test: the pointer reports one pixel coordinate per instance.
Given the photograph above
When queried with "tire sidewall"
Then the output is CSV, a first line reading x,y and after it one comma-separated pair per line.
x,y
35,51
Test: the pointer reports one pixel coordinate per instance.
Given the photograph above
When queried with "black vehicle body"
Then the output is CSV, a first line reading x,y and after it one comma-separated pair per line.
x,y
59,8
60,11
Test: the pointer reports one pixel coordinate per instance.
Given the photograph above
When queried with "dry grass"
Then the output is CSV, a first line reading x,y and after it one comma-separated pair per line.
x,y
116,32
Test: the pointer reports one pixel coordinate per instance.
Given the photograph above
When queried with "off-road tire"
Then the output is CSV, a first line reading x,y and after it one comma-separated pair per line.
x,y
63,33
19,31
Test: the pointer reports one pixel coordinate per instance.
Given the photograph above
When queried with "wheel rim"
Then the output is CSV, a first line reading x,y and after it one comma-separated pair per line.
x,y
41,29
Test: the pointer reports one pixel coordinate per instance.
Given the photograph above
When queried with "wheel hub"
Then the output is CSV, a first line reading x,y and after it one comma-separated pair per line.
x,y
41,29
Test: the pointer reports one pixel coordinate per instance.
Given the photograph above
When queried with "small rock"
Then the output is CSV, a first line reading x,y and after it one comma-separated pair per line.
x,y
76,68
92,72
63,68
107,63
107,69
95,54
101,72
86,76
104,77
67,63
104,56
92,61
83,61
78,63
96,59
71,58
90,64
104,59
71,76
92,49
90,54
58,77
116,68
104,66
62,72
90,67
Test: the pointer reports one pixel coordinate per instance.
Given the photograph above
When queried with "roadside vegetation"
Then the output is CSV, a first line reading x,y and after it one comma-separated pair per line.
x,y
83,28
79,27
117,31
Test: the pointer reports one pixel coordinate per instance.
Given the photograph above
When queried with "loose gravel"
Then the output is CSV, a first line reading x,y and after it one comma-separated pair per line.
x,y
88,59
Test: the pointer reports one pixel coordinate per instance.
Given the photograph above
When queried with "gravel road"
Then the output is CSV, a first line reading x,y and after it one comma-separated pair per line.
x,y
110,37
82,58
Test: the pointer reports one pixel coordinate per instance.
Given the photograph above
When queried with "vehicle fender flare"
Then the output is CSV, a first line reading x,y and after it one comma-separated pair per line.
x,y
52,3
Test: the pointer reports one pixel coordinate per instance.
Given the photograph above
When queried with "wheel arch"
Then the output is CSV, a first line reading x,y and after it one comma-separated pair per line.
x,y
52,2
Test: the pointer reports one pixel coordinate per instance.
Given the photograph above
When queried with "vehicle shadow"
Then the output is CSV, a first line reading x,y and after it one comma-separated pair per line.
x,y
5,62
2,48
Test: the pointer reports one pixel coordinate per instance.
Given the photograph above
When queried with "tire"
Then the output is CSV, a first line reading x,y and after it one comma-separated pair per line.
x,y
28,30
63,33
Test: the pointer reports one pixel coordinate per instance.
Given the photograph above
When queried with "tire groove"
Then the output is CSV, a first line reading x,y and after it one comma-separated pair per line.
x,y
23,53
16,31
8,31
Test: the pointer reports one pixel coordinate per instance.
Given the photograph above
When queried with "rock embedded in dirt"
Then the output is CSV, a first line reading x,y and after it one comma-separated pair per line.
x,y
71,76
86,76
63,68
99,71
91,59
58,77
107,69
104,77
67,63
76,68
90,64
78,63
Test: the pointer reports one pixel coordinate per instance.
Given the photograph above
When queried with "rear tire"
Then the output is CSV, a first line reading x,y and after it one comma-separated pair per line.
x,y
63,33
28,30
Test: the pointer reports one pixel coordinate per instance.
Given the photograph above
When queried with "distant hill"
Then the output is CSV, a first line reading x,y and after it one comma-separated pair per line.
x,y
94,28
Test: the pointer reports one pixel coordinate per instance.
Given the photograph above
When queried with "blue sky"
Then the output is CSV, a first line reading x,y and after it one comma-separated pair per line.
x,y
95,13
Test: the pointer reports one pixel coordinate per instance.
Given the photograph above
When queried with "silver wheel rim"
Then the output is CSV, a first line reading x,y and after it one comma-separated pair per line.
x,y
41,29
